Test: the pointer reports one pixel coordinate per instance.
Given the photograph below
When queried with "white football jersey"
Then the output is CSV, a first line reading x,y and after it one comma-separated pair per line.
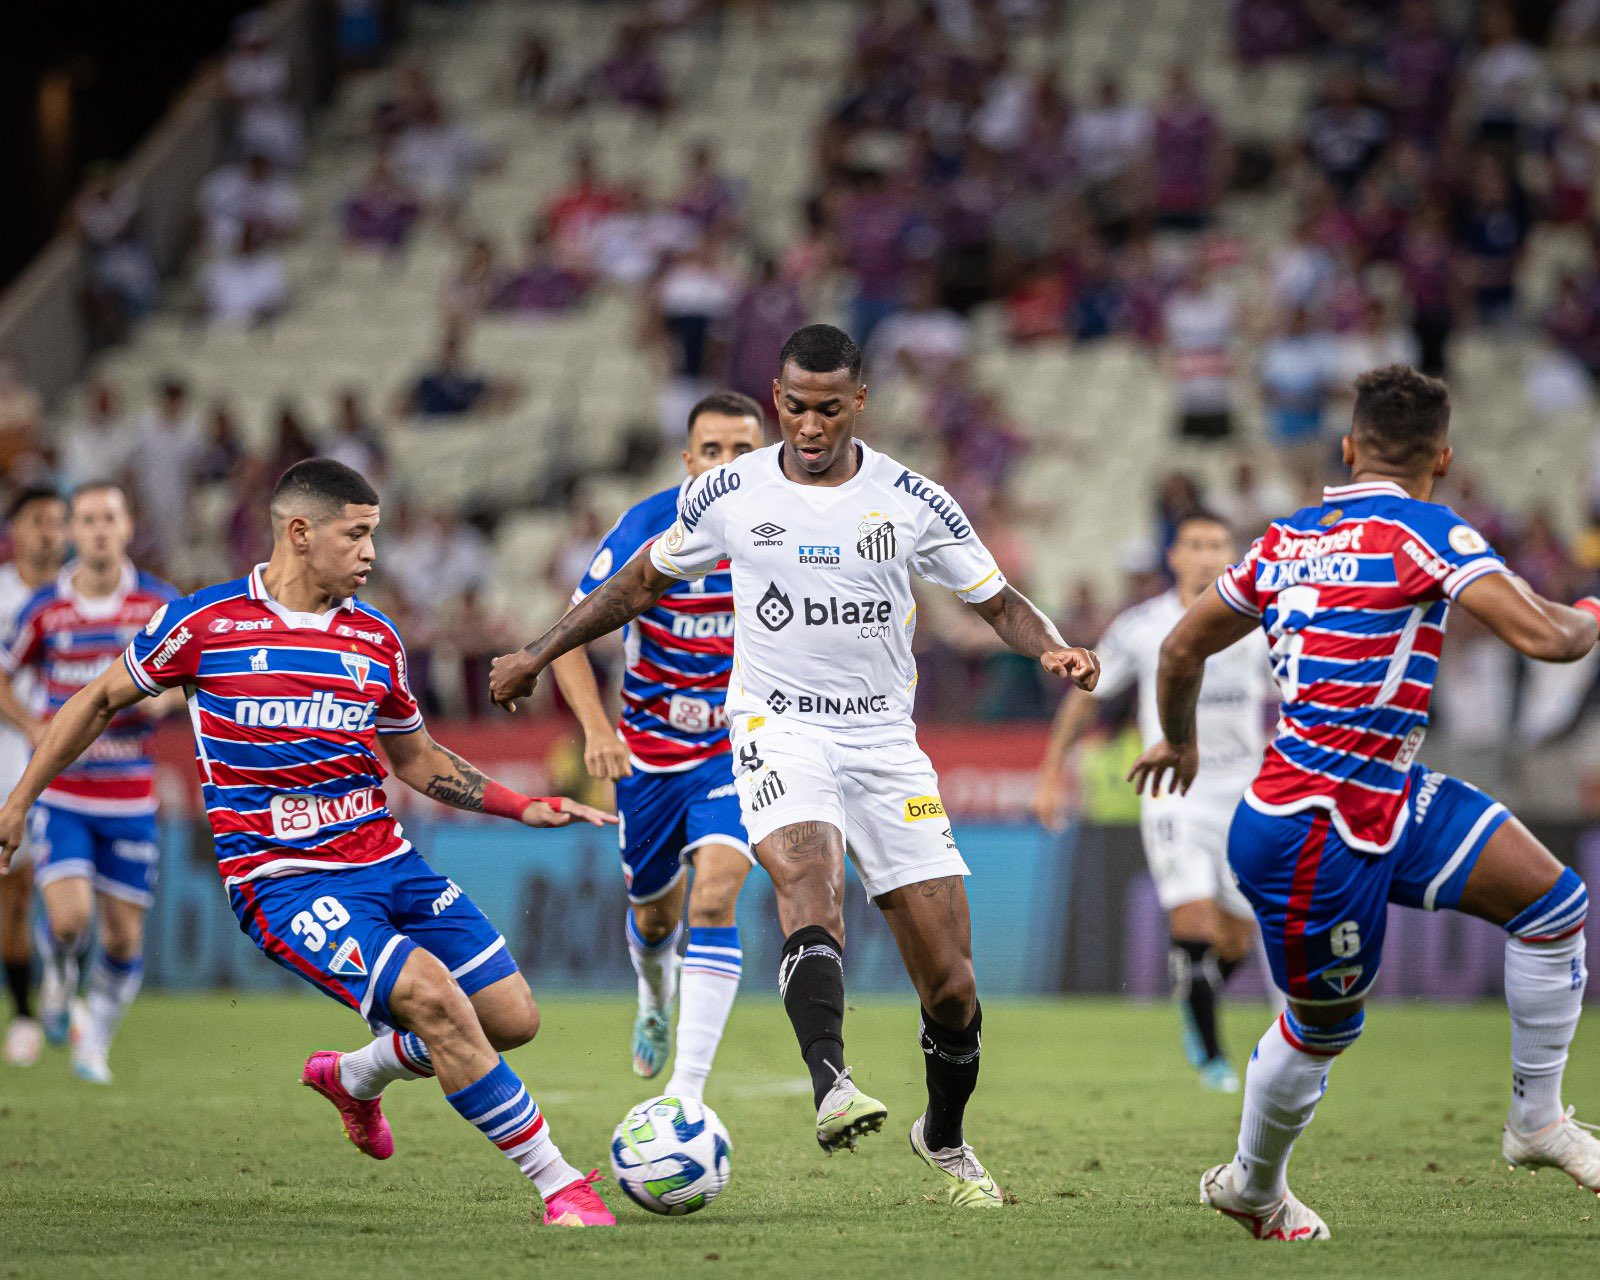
x,y
14,749
1229,721
823,614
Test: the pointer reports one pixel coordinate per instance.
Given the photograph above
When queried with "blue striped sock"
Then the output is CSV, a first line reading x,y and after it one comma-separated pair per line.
x,y
413,1053
714,951
499,1107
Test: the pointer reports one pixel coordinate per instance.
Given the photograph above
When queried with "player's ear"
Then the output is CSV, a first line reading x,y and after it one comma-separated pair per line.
x,y
861,397
1347,449
1441,464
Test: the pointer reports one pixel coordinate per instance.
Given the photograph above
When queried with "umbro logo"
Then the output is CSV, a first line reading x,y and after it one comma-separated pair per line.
x,y
768,534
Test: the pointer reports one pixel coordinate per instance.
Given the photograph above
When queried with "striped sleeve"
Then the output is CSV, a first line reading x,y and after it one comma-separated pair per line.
x,y
399,712
21,647
1444,555
166,652
1237,585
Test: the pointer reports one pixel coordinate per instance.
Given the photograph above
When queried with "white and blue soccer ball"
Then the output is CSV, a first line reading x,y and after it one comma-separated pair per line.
x,y
670,1155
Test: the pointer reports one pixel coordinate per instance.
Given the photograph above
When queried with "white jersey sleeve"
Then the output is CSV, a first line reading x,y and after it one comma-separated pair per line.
x,y
948,553
697,542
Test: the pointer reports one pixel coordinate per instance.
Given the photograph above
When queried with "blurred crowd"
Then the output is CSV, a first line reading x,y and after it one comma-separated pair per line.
x,y
955,192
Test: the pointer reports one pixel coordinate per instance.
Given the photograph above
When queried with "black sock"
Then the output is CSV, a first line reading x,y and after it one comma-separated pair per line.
x,y
811,981
1196,977
950,1059
19,980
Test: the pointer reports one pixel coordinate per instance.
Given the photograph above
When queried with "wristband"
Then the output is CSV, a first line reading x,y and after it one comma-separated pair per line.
x,y
1590,605
502,802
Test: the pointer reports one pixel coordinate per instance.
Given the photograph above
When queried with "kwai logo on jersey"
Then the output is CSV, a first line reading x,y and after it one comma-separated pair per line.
x,y
320,711
348,958
356,666
696,504
300,815
768,534
823,557
775,611
877,538
941,504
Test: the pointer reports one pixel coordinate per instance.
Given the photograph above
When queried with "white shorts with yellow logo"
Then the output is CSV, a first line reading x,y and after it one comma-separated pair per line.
x,y
884,798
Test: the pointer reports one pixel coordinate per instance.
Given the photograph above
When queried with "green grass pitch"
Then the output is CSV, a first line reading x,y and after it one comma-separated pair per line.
x,y
207,1159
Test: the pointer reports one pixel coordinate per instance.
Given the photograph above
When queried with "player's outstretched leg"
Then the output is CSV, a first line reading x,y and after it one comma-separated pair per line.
x,y
354,1082
656,962
1287,1076
488,1094
932,926
712,966
114,980
63,942
1545,980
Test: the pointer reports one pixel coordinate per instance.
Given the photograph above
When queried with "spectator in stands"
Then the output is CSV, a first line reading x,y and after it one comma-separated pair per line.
x,y
475,286
1297,376
1110,142
631,75
768,310
1267,29
120,278
541,284
708,197
163,465
482,632
580,204
291,442
1303,269
1377,342
1494,225
252,191
248,527
1418,68
220,451
1188,154
1540,556
448,388
686,311
96,445
257,78
1504,81
360,32
382,212
913,340
1572,325
432,561
570,557
1427,261
245,286
532,72
437,155
877,229
629,243
1200,325
1250,501
354,440
21,421
1344,136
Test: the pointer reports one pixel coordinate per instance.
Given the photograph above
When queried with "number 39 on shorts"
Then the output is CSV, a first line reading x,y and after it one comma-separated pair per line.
x,y
327,915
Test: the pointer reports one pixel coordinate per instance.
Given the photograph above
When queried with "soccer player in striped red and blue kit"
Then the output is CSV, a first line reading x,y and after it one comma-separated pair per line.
x,y
93,831
292,683
1341,821
673,767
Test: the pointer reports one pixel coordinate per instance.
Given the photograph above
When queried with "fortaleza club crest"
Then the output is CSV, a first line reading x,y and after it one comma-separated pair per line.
x,y
1343,979
877,538
357,665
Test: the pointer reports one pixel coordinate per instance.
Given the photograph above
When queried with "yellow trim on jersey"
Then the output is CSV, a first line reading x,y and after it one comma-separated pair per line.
x,y
979,582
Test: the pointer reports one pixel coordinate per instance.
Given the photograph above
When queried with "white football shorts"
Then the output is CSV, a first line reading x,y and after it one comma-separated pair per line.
x,y
883,798
1186,846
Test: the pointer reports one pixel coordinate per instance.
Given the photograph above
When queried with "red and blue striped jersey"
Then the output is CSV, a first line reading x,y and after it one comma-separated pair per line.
x,y
68,639
1353,597
679,652
286,708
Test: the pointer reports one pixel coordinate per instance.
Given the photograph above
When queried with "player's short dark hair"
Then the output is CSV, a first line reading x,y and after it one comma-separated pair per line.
x,y
1401,416
96,486
1198,515
27,496
732,404
822,348
321,482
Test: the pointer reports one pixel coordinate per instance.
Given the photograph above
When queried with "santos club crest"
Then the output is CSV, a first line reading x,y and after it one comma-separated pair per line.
x,y
877,538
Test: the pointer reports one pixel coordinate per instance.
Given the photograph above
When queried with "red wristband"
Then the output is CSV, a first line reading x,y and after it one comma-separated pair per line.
x,y
553,801
503,802
1590,605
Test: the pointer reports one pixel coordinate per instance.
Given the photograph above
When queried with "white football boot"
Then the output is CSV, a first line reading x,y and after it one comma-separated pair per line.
x,y
846,1115
969,1184
1286,1220
1566,1144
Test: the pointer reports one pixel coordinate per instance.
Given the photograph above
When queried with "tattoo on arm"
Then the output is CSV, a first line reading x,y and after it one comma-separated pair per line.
x,y
616,602
1023,627
462,788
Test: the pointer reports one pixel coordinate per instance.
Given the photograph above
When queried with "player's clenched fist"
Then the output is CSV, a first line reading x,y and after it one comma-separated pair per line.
x,y
511,676
1162,760
12,823
1077,665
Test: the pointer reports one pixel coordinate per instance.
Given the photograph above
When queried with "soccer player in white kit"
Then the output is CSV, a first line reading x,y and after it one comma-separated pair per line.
x,y
38,524
824,535
1185,837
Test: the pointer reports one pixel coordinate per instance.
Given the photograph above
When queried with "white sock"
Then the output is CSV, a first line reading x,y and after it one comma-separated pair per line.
x,y
112,987
61,961
656,963
711,969
1282,1086
1544,992
395,1055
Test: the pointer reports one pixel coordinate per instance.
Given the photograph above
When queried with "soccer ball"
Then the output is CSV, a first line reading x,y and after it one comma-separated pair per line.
x,y
670,1155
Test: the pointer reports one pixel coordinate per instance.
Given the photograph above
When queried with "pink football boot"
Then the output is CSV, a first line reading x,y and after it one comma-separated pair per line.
x,y
577,1205
363,1118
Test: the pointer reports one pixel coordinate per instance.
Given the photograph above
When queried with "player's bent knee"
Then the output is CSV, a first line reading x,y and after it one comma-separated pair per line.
x,y
1558,915
430,1001
654,921
953,999
514,1021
